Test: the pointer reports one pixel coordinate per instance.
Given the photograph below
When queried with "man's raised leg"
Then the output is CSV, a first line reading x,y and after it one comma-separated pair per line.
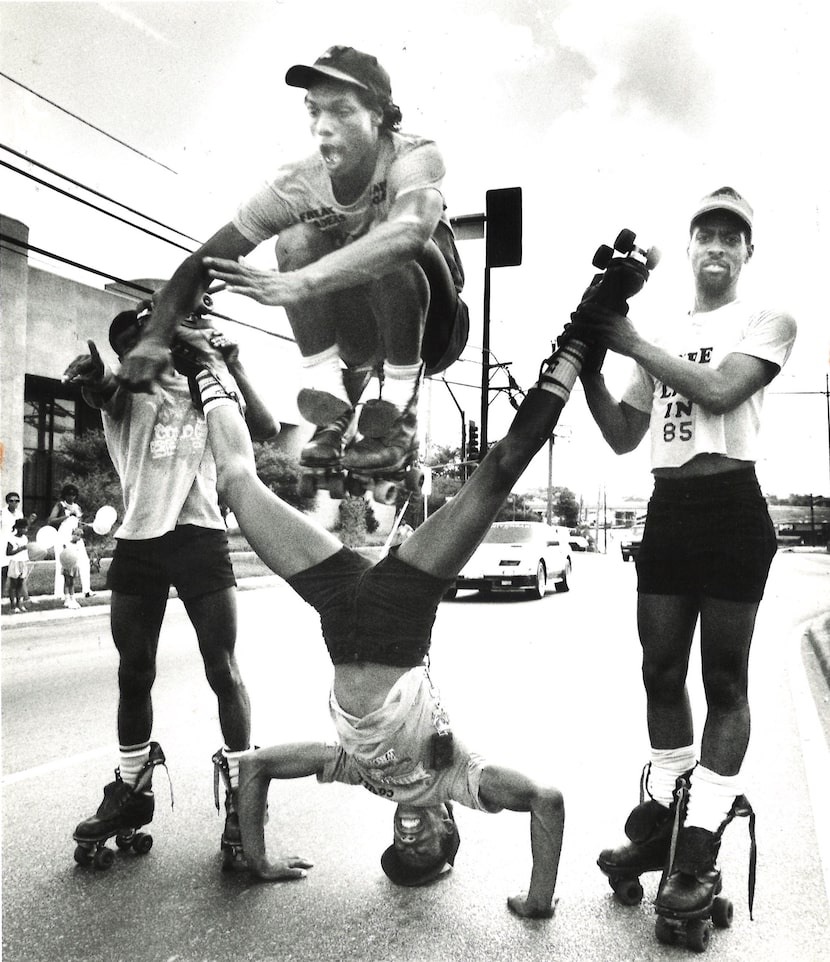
x,y
286,540
443,544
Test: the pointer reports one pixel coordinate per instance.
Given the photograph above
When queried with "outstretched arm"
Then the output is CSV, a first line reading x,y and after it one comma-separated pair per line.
x,y
506,788
397,240
145,362
256,770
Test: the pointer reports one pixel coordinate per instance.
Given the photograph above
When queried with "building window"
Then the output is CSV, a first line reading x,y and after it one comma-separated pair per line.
x,y
53,412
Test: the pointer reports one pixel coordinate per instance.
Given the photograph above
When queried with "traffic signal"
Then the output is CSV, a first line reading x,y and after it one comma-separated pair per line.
x,y
472,442
503,240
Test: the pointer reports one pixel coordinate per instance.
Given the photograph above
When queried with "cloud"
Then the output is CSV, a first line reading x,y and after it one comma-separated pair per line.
x,y
661,69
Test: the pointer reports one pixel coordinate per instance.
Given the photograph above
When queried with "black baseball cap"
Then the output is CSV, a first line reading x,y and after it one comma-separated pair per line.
x,y
346,65
404,873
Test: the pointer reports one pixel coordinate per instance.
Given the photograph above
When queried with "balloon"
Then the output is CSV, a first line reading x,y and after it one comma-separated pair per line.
x,y
36,551
47,537
69,556
105,518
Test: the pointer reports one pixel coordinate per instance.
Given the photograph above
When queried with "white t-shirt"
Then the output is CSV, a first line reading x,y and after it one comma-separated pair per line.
x,y
681,429
159,446
388,751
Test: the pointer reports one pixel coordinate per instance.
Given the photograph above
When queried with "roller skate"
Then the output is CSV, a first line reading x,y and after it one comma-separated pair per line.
x,y
385,456
123,811
689,904
624,270
231,841
321,460
649,827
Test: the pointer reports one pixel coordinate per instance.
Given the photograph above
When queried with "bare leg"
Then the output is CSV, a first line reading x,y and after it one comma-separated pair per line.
x,y
666,624
443,544
135,622
286,540
214,618
344,318
726,634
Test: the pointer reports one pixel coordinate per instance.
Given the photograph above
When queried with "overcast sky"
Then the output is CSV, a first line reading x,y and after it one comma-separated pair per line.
x,y
606,114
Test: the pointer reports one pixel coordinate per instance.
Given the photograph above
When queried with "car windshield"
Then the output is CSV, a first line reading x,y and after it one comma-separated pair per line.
x,y
509,534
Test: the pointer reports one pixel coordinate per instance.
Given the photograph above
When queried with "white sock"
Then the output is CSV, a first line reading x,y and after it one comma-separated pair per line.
x,y
132,759
710,798
400,382
324,372
666,765
232,759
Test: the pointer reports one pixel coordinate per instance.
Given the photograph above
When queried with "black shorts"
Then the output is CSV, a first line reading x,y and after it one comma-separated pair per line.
x,y
708,537
447,324
380,612
196,561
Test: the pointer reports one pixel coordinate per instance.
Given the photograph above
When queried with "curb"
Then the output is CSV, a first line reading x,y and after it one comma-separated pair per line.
x,y
818,637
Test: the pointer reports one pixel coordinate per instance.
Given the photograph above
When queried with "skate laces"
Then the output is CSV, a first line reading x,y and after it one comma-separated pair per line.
x,y
742,809
220,770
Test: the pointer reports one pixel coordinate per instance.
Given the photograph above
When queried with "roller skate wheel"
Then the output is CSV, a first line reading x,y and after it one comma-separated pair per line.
x,y
722,913
697,935
103,859
82,855
628,890
354,486
307,486
337,488
603,256
123,842
625,241
664,931
414,479
142,843
385,492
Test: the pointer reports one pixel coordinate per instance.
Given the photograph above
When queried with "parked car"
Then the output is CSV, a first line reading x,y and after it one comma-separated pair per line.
x,y
577,543
630,544
524,555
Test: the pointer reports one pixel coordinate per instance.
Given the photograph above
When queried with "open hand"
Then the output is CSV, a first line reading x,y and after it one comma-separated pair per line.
x,y
287,868
144,365
269,287
520,905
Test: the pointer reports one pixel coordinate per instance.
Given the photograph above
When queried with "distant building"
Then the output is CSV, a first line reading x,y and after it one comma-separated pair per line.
x,y
45,322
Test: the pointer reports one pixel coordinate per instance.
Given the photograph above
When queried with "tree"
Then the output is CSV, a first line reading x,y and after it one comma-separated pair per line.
x,y
355,519
280,473
566,507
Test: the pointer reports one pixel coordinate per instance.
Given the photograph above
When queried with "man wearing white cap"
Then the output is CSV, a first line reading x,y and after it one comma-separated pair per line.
x,y
707,546
369,274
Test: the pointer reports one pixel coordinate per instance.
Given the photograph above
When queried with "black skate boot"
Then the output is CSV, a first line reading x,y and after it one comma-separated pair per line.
x,y
649,827
231,841
688,900
389,438
122,812
325,449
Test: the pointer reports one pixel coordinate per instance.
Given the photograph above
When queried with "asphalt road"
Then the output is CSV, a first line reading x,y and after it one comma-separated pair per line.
x,y
548,686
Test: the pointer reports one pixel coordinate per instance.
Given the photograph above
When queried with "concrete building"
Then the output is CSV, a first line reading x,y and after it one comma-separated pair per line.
x,y
45,321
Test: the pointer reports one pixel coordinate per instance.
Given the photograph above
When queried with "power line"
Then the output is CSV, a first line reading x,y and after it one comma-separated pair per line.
x,y
97,193
139,288
88,124
89,203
